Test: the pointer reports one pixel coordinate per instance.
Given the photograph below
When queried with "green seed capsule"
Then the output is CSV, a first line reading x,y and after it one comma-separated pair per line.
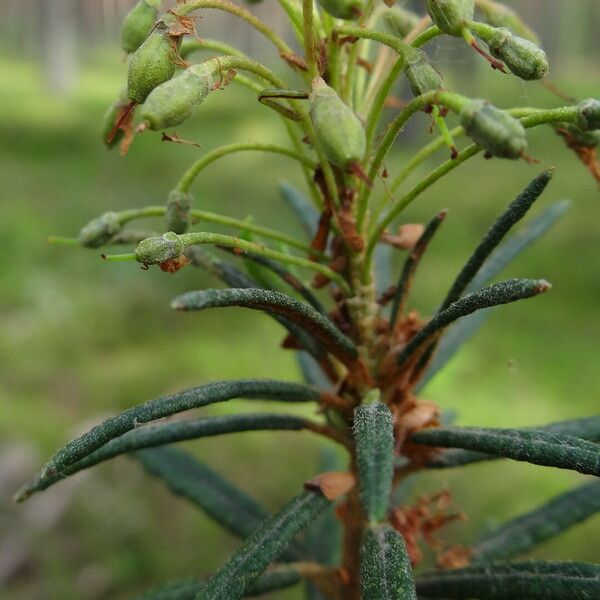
x,y
110,118
338,129
156,250
500,15
495,130
522,57
153,63
582,139
400,21
174,101
99,231
422,76
137,24
589,115
451,16
343,9
178,213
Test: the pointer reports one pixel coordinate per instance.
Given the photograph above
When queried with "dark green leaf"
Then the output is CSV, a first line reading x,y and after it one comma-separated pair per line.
x,y
163,407
514,213
188,477
385,571
312,372
374,436
410,266
533,446
179,431
527,580
263,547
503,292
587,428
276,578
530,529
313,322
493,266
305,212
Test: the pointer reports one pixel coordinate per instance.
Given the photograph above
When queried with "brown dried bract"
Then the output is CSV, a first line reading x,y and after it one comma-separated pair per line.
x,y
174,137
294,60
174,264
456,557
406,237
332,484
585,154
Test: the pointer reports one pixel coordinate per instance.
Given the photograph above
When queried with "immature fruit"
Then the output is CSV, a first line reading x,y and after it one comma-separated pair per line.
x,y
156,250
522,57
343,9
338,129
422,76
493,129
589,115
500,15
153,63
178,213
400,21
451,16
99,231
137,24
174,101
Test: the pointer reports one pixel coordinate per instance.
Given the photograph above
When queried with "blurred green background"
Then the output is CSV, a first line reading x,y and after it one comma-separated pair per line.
x,y
80,339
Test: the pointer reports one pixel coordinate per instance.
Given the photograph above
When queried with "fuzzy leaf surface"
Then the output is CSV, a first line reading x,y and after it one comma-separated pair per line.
x,y
374,436
263,547
533,446
531,580
385,572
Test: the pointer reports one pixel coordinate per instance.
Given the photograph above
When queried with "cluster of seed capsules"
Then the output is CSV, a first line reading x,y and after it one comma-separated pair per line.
x,y
168,91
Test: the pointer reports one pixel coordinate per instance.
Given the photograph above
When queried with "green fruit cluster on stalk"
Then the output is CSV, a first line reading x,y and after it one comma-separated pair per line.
x,y
340,288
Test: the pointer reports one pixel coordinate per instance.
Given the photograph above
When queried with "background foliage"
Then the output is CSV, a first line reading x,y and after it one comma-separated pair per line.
x,y
80,339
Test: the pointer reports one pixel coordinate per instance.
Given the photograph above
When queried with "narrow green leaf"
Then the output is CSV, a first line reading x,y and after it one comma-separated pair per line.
x,y
374,436
263,547
313,322
493,266
533,446
383,267
187,477
236,278
312,372
276,578
496,294
514,213
410,266
385,570
163,407
179,431
305,212
531,580
587,428
523,533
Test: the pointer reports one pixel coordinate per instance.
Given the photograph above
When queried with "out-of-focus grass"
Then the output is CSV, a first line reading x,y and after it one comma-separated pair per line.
x,y
80,339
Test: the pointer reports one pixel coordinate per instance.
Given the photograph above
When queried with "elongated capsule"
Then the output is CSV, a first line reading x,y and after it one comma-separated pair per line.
x,y
400,21
111,116
451,16
178,213
421,74
174,101
589,115
521,56
137,24
156,250
100,230
153,63
338,129
495,130
343,9
500,15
